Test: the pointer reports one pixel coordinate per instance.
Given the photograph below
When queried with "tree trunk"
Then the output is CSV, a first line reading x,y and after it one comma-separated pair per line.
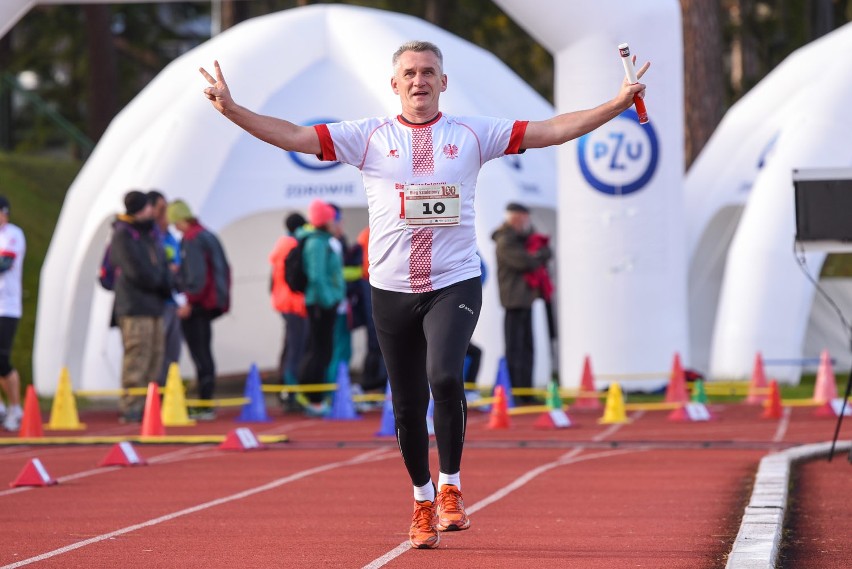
x,y
103,70
437,13
5,94
233,12
704,88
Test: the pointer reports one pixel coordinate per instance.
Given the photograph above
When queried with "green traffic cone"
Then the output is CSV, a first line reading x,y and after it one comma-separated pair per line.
x,y
698,393
554,401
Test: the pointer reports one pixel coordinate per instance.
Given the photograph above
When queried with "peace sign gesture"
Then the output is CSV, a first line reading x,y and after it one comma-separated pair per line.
x,y
218,93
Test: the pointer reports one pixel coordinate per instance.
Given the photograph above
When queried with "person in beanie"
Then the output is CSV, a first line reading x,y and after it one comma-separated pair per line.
x,y
13,246
205,277
291,306
143,283
515,263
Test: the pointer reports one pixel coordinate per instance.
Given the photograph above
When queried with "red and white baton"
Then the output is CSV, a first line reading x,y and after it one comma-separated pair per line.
x,y
638,101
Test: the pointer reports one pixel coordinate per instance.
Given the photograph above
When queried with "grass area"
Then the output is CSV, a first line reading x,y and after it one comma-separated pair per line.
x,y
36,189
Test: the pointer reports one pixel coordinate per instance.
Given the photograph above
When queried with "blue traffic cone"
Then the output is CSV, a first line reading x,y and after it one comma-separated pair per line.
x,y
255,409
430,418
388,427
342,407
503,379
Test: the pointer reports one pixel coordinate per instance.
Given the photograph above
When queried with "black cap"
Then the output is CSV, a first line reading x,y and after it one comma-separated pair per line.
x,y
514,206
4,204
134,202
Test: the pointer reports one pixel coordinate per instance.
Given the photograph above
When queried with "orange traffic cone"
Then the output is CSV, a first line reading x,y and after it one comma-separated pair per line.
x,y
676,390
825,388
588,397
758,382
31,422
499,418
152,420
773,405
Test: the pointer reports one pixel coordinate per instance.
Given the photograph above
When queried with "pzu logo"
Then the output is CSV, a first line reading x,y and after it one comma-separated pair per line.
x,y
312,162
620,157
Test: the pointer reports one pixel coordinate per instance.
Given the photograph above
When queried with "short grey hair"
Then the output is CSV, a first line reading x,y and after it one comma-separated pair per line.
x,y
417,46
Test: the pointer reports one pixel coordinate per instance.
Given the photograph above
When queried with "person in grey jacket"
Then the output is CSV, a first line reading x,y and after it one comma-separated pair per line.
x,y
515,262
143,282
205,277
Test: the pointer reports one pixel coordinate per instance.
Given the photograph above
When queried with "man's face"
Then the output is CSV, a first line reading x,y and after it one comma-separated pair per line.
x,y
145,213
160,207
519,221
419,82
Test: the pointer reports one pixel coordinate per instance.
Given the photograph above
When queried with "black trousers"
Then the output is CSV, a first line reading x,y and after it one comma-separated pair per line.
x,y
313,367
424,338
198,335
517,330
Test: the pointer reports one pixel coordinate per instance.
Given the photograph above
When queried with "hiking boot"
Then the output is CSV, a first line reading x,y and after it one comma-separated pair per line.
x,y
450,509
423,534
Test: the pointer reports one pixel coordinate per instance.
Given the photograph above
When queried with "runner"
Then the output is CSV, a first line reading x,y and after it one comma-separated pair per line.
x,y
419,170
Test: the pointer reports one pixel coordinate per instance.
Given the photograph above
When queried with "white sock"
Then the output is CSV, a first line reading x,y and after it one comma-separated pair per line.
x,y
2,408
425,492
454,479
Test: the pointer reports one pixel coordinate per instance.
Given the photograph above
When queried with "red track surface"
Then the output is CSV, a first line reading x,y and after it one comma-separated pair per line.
x,y
650,493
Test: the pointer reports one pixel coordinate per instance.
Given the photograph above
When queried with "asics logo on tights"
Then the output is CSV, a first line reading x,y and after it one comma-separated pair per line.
x,y
466,307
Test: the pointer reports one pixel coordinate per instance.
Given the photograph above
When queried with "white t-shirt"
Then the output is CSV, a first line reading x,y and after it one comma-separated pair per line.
x,y
12,244
410,253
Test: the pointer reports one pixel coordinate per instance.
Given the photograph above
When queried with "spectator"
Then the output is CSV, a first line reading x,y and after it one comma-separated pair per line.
x,y
13,246
205,277
375,375
514,264
171,321
291,305
143,283
324,267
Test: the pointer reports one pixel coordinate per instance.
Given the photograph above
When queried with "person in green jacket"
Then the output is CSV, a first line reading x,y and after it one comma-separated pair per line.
x,y
323,261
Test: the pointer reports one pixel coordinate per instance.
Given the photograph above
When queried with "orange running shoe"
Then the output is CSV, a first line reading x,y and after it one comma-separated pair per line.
x,y
450,510
423,534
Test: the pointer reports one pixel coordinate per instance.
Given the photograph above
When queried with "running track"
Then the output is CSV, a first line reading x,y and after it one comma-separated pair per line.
x,y
650,493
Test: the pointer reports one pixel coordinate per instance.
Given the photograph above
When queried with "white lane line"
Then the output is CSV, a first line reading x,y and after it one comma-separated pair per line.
x,y
373,455
783,425
568,458
616,427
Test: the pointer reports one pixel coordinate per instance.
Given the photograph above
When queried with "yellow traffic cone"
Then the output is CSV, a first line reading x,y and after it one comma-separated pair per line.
x,y
63,413
174,400
614,412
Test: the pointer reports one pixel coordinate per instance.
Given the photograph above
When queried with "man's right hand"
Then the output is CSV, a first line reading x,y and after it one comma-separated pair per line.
x,y
218,92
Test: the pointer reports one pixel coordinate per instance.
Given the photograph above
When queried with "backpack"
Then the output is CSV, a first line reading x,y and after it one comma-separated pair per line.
x,y
107,271
294,267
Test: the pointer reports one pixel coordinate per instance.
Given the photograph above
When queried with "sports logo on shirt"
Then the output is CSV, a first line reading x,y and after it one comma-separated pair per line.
x,y
394,153
620,157
451,151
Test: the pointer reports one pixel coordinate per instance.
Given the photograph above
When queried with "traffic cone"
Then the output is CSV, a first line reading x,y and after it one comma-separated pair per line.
x,y
33,474
122,454
499,418
342,407
587,399
553,419
174,400
255,410
242,439
388,425
504,381
758,382
152,419
676,390
699,394
691,411
614,411
825,388
63,413
31,421
554,399
773,405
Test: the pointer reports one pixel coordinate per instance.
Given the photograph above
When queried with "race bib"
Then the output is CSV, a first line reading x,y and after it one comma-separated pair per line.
x,y
431,204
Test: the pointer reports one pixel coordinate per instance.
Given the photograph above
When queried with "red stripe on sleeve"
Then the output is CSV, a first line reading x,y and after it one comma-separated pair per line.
x,y
6,253
519,129
326,143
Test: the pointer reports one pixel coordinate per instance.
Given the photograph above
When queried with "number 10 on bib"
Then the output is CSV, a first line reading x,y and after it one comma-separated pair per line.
x,y
431,204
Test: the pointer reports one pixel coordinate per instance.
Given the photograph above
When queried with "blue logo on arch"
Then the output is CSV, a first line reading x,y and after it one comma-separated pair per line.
x,y
312,162
620,157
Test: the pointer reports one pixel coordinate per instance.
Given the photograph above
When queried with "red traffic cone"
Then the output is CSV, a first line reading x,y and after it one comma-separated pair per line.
x,y
499,418
825,388
122,454
33,474
31,421
587,398
758,382
242,438
773,408
676,390
553,419
152,420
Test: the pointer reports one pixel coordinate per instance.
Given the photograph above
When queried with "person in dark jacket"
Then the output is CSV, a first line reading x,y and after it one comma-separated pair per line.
x,y
205,277
143,283
515,262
